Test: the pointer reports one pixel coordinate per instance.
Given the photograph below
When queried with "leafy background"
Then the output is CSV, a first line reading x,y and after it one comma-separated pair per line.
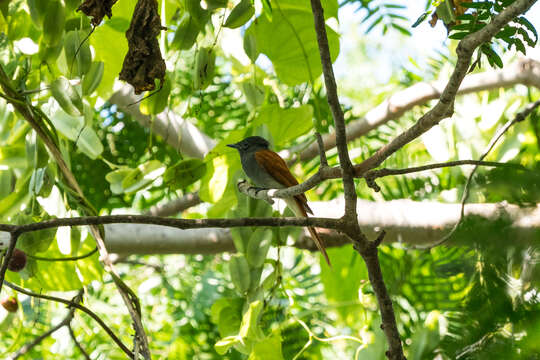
x,y
475,299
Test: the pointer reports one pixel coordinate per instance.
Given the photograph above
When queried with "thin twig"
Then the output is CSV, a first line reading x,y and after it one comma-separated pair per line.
x,y
524,71
77,343
518,118
322,153
77,306
175,223
156,268
7,257
371,175
327,173
445,106
37,119
28,346
72,258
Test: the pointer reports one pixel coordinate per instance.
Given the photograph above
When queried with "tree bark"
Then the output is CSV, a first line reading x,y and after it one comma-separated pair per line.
x,y
410,222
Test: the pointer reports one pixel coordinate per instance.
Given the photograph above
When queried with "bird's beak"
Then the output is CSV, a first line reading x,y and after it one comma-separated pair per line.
x,y
234,146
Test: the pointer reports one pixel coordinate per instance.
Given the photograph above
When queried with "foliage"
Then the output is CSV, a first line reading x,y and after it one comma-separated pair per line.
x,y
474,298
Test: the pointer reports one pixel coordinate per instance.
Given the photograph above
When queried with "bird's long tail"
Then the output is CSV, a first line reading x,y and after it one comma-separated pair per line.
x,y
298,208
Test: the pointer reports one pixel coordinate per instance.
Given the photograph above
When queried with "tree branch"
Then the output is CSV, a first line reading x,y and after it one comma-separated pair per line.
x,y
337,112
67,258
522,115
413,223
176,131
77,343
326,173
77,306
362,245
28,346
37,119
525,71
176,206
7,257
444,107
175,223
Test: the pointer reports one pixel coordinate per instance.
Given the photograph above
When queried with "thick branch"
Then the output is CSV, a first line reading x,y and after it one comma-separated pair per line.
x,y
444,108
525,71
175,206
409,222
175,130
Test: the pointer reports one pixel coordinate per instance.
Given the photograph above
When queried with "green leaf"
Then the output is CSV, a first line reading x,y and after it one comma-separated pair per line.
x,y
290,42
226,313
142,176
258,246
523,21
250,329
117,23
267,9
57,275
186,33
240,14
112,56
215,180
250,47
13,156
36,181
445,12
68,125
89,268
67,96
184,173
401,29
330,7
78,58
476,5
342,281
285,125
267,349
6,182
12,203
93,78
254,93
493,57
115,178
223,345
89,143
458,36
373,24
239,271
156,101
53,22
421,19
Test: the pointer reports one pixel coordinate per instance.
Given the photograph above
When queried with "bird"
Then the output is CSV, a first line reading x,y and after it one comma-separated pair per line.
x,y
267,169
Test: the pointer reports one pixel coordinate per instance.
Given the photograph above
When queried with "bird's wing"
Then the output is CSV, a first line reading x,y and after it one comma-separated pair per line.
x,y
276,166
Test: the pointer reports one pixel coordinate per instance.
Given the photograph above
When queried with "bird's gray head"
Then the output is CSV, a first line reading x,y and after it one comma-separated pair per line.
x,y
249,144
